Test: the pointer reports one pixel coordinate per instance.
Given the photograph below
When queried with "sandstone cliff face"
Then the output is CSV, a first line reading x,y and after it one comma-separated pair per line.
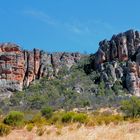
x,y
116,59
119,58
18,68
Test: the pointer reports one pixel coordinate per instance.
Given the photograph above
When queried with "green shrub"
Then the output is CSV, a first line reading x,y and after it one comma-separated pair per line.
x,y
38,119
105,119
47,112
29,127
81,118
67,117
4,130
131,107
56,118
74,117
14,118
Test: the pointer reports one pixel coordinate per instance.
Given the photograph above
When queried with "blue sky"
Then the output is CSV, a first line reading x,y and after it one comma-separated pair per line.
x,y
65,25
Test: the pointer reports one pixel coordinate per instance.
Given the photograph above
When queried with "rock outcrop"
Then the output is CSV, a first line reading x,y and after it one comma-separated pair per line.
x,y
18,68
119,58
116,59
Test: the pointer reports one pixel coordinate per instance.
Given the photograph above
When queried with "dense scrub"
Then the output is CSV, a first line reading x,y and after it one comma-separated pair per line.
x,y
47,117
14,118
131,107
77,87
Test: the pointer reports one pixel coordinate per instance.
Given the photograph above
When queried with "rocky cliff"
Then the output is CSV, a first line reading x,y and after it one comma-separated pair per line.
x,y
18,68
119,59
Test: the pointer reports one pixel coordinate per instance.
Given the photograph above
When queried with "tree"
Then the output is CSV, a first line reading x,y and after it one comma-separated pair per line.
x,y
131,107
14,118
47,112
101,89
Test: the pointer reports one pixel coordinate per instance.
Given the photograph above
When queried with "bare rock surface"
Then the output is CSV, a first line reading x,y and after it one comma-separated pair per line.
x,y
120,59
18,68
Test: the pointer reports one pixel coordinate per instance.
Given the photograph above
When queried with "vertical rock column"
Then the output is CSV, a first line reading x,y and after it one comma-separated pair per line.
x,y
32,64
132,79
11,67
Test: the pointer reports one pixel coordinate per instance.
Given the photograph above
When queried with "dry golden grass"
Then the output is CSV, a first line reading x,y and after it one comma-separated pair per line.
x,y
125,131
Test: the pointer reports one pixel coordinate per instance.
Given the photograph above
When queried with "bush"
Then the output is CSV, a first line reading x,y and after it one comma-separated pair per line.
x,y
131,107
104,119
74,117
81,118
112,118
56,118
67,117
47,112
38,119
4,130
30,127
14,118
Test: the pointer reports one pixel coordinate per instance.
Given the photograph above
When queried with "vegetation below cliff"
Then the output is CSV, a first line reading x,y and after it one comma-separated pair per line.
x,y
77,87
71,80
47,121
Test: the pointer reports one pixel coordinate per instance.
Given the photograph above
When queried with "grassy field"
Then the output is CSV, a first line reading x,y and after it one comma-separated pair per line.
x,y
124,131
103,124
